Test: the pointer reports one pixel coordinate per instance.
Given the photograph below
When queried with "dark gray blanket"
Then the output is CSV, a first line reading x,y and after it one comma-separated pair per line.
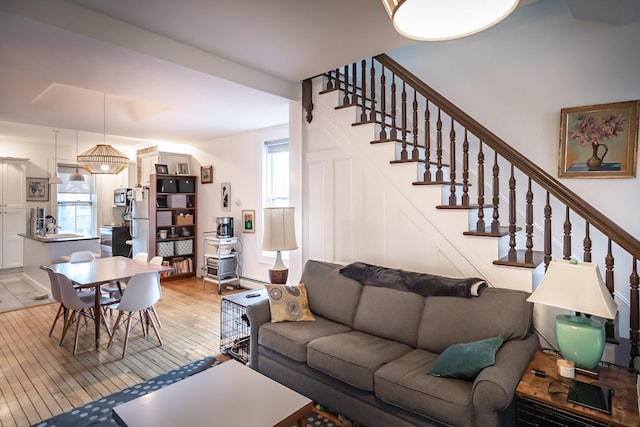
x,y
420,283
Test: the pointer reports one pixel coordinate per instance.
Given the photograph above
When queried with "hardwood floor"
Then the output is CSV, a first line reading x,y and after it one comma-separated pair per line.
x,y
41,379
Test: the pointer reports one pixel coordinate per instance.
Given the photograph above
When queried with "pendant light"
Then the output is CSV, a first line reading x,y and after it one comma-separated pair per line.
x,y
103,158
435,20
76,176
55,180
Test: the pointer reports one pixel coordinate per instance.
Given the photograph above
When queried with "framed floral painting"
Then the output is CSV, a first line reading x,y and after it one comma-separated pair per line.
x,y
599,141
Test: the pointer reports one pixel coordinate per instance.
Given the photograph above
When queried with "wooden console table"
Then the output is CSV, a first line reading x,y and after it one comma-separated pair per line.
x,y
543,401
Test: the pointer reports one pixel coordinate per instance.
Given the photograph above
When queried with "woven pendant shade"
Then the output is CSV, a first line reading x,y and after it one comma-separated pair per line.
x,y
103,159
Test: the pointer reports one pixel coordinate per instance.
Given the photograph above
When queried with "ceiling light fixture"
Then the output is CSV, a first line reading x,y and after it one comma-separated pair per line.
x,y
437,20
56,180
103,158
76,176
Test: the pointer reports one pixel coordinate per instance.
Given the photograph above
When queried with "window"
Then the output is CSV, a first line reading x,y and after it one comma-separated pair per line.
x,y
76,202
276,176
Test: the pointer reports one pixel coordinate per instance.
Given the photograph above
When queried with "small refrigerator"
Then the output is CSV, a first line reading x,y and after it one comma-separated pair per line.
x,y
140,220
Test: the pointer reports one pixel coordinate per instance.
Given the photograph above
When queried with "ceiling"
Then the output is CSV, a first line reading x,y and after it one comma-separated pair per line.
x,y
163,70
183,71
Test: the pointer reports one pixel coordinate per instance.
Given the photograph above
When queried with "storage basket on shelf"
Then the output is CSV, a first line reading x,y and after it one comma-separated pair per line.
x,y
165,249
177,200
164,218
184,247
184,219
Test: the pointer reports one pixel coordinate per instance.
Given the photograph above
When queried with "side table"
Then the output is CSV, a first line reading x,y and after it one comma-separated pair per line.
x,y
543,401
234,323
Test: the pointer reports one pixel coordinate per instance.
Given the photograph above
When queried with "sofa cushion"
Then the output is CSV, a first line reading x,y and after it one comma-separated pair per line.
x,y
288,303
353,356
466,360
403,383
331,295
291,338
450,320
389,313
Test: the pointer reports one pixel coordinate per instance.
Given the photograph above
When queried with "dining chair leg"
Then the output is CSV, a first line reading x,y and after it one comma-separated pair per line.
x,y
58,314
75,341
106,325
67,324
115,328
154,326
126,335
155,314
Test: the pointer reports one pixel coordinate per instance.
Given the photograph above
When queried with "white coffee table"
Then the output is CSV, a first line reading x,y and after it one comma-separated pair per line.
x,y
230,394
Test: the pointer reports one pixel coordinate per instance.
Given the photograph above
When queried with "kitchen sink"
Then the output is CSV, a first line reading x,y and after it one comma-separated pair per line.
x,y
59,236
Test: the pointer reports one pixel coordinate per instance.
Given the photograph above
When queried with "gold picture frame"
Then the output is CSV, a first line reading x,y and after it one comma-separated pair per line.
x,y
206,174
599,141
248,221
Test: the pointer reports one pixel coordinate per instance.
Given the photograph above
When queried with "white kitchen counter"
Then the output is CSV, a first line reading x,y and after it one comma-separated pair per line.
x,y
52,249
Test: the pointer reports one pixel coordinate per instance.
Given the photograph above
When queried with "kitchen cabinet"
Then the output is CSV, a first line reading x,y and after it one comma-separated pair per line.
x,y
172,222
13,217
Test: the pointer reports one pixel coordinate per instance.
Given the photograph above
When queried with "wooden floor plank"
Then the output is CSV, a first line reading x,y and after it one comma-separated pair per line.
x,y
41,379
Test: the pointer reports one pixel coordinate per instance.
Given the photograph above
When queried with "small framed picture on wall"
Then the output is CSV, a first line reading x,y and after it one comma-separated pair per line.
x,y
225,192
37,189
249,221
206,174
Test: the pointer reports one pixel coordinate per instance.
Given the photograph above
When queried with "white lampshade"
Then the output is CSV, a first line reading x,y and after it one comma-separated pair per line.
x,y
279,233
578,287
433,20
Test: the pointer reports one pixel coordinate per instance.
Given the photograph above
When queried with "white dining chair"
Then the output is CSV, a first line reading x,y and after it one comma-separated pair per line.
x,y
142,293
157,260
141,256
81,256
57,296
79,311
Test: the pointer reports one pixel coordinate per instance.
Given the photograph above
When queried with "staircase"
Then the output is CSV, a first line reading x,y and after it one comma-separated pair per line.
x,y
507,217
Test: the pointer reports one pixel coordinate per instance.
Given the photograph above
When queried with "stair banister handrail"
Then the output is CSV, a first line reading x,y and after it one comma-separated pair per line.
x,y
545,180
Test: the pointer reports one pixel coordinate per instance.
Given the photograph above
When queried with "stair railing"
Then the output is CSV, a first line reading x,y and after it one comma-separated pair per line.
x,y
376,85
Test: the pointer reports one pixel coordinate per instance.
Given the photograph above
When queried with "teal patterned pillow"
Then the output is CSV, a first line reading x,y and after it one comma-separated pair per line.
x,y
466,360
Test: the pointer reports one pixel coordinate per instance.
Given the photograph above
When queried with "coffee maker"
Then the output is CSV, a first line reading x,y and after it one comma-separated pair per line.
x,y
224,226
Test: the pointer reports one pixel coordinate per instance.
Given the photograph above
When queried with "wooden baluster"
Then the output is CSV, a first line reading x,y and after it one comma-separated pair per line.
x,y
465,170
609,326
415,153
528,255
354,84
480,225
452,166
345,98
439,175
513,254
363,92
329,82
372,77
427,144
403,153
547,232
566,254
383,105
394,126
586,243
634,312
495,224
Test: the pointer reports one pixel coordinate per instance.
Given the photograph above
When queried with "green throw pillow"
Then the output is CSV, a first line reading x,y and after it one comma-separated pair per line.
x,y
466,360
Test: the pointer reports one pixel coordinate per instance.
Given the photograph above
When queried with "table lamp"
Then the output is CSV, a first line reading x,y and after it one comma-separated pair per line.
x,y
578,287
279,234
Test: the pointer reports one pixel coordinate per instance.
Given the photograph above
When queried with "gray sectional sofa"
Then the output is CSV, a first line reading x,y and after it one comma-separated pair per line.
x,y
367,354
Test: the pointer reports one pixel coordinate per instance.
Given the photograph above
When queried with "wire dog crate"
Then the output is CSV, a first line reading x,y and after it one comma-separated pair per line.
x,y
234,323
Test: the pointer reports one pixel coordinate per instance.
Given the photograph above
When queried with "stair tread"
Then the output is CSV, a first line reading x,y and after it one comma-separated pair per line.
x,y
461,207
537,258
502,231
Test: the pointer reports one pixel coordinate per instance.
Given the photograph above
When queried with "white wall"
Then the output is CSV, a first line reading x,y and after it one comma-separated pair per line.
x,y
237,159
514,79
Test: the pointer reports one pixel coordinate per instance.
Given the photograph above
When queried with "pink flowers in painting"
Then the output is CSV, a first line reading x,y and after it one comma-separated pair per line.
x,y
587,131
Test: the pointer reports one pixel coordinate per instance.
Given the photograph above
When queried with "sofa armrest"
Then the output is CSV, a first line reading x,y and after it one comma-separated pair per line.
x,y
494,388
258,313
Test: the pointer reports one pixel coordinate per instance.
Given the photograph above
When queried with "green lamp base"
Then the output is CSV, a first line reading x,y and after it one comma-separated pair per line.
x,y
580,339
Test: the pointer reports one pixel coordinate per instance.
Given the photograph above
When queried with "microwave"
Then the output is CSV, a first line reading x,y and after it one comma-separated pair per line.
x,y
120,196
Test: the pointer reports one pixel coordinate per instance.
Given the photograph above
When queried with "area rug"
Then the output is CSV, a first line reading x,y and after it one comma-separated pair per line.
x,y
98,412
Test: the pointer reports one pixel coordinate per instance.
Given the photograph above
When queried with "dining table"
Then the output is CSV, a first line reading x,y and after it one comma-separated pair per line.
x,y
95,273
